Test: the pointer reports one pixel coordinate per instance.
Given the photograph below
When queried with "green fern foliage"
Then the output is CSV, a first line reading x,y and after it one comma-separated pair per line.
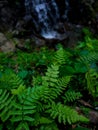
x,y
52,126
89,58
61,56
51,75
23,110
31,106
92,82
38,92
71,96
6,104
23,126
65,114
54,84
10,80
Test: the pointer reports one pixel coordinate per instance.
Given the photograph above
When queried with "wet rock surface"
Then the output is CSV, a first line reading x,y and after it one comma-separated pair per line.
x,y
5,44
6,15
93,115
10,13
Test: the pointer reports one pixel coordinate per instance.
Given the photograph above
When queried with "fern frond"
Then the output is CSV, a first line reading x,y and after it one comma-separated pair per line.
x,y
10,80
6,104
54,85
42,120
71,96
51,75
22,112
60,86
89,58
65,114
61,56
23,108
52,126
21,88
92,82
23,126
64,81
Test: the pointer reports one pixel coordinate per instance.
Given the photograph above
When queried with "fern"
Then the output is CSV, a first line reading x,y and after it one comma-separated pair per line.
x,y
44,122
12,105
23,109
43,103
23,126
89,58
29,104
71,96
51,75
65,114
10,80
92,82
55,84
52,126
52,89
6,104
39,98
61,57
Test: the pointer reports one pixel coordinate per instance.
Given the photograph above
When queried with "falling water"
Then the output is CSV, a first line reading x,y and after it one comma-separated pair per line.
x,y
67,9
45,15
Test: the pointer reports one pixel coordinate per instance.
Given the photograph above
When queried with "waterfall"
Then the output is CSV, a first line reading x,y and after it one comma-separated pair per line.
x,y
45,16
67,9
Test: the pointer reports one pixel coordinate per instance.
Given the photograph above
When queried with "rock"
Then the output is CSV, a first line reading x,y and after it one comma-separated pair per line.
x,y
38,41
81,11
10,13
5,44
74,34
6,16
93,115
60,28
3,39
